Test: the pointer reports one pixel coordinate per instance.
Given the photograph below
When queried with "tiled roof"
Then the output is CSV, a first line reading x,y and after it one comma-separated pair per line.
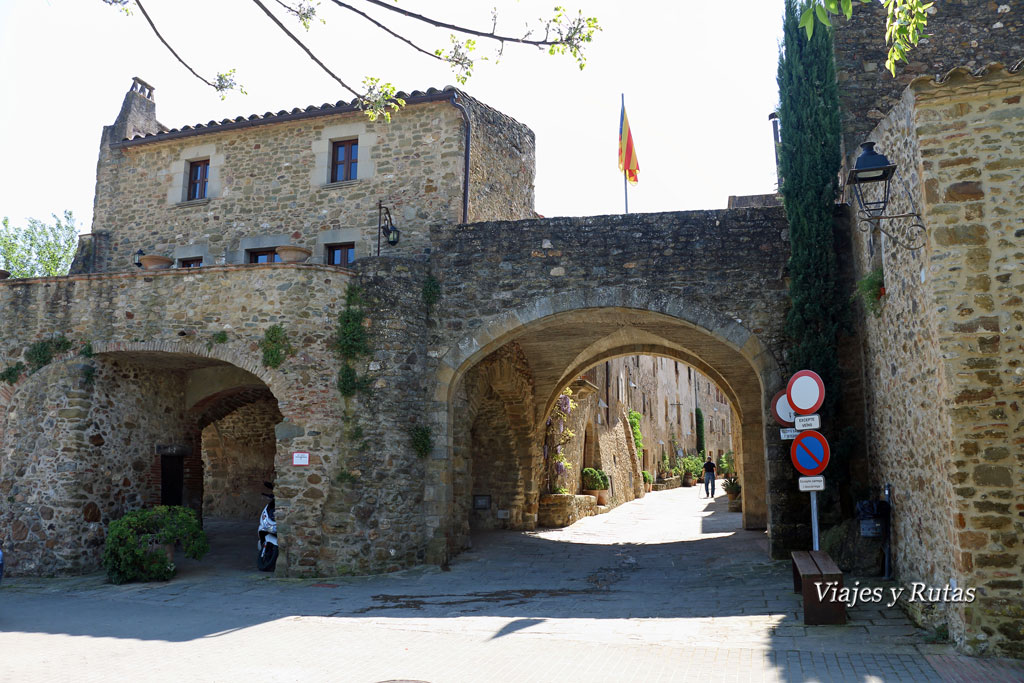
x,y
962,74
339,107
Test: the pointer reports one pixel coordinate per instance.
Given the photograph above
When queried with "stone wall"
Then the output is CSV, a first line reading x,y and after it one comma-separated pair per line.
x,y
943,362
565,509
502,164
238,456
962,33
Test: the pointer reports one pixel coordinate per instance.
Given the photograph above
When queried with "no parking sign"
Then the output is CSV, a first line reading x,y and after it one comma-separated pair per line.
x,y
809,453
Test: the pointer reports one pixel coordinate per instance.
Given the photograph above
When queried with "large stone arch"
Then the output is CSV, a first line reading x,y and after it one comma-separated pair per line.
x,y
81,441
733,356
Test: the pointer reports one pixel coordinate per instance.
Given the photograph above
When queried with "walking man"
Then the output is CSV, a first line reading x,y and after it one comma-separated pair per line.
x,y
709,478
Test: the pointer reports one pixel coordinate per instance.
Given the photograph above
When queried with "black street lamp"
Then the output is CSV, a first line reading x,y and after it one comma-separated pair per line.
x,y
385,226
137,258
905,229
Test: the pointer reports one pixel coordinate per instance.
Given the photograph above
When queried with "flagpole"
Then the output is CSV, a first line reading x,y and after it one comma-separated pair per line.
x,y
625,185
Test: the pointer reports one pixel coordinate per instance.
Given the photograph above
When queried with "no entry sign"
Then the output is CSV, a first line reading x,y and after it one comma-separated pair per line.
x,y
805,392
781,410
809,453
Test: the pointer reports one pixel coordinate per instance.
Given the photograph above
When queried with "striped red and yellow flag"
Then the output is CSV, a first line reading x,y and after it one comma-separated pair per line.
x,y
627,155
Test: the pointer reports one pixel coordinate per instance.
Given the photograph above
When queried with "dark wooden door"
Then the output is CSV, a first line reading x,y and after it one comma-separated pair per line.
x,y
172,479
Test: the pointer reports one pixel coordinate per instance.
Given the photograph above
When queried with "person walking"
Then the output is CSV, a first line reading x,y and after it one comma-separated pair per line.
x,y
709,478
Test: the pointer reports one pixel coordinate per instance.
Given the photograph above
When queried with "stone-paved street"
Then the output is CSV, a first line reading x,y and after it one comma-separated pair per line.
x,y
666,588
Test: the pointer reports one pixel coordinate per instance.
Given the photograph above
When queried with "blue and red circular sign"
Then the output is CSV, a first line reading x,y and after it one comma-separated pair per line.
x,y
809,453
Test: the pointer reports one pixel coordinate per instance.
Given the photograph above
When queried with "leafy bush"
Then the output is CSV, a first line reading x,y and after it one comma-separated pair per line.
x,y
42,352
422,440
595,480
726,465
638,437
647,477
275,346
692,465
134,551
870,289
11,373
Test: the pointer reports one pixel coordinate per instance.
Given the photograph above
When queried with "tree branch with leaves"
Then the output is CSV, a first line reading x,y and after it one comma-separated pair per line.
x,y
904,24
562,33
39,249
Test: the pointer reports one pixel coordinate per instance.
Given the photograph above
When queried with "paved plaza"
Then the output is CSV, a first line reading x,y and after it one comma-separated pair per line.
x,y
666,588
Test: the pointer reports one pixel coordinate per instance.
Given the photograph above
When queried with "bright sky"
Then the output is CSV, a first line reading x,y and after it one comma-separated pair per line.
x,y
698,90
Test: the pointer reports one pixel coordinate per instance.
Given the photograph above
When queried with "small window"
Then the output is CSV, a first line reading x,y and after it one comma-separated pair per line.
x,y
340,254
344,160
264,256
198,176
190,263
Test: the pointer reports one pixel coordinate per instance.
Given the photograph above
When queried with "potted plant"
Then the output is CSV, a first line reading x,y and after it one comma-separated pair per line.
x,y
155,262
732,488
596,483
648,480
692,467
291,253
140,545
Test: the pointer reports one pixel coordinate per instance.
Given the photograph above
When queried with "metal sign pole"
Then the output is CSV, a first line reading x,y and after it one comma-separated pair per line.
x,y
814,520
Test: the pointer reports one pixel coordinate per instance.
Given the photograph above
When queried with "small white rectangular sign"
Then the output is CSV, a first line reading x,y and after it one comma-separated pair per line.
x,y
301,459
788,434
807,421
812,483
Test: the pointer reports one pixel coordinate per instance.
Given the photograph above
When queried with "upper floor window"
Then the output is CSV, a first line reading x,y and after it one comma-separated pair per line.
x,y
264,256
344,160
190,263
340,254
198,177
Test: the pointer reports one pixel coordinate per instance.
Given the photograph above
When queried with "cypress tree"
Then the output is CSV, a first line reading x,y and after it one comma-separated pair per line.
x,y
809,161
698,418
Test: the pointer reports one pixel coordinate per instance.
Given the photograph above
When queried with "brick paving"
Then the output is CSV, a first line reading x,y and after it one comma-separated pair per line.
x,y
666,588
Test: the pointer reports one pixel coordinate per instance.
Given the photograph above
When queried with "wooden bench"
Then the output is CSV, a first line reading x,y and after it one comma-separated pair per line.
x,y
811,567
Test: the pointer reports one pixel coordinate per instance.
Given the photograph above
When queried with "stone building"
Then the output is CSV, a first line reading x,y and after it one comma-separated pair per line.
x,y
944,359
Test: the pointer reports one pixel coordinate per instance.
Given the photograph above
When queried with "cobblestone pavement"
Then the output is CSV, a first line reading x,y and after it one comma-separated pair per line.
x,y
667,588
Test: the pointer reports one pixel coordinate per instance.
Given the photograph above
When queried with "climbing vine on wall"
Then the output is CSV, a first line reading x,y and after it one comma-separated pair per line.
x,y
638,437
558,435
275,346
352,342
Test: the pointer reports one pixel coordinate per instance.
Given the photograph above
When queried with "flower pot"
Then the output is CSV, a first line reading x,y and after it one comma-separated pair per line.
x,y
292,254
155,262
649,486
687,479
591,492
732,496
602,497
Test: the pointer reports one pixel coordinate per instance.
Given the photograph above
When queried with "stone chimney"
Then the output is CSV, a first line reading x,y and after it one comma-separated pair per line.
x,y
137,115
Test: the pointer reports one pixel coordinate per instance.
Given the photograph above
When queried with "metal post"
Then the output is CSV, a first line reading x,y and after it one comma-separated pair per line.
x,y
814,520
888,527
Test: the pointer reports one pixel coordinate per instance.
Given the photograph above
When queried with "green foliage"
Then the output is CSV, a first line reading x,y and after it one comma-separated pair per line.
x,y
648,478
431,292
88,375
561,490
869,289
346,477
698,420
638,437
275,346
809,161
732,486
595,480
350,383
219,337
42,352
904,24
40,249
86,350
692,465
422,440
133,547
726,465
11,373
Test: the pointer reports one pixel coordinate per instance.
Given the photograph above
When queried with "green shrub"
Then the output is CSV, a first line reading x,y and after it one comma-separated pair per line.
x,y
11,373
595,480
725,464
648,479
869,289
42,352
693,465
431,292
422,440
275,346
638,437
134,551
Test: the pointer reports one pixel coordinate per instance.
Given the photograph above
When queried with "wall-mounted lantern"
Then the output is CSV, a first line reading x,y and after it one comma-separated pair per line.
x,y
137,258
905,229
385,227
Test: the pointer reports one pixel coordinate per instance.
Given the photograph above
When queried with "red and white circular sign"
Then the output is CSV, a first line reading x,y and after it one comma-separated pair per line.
x,y
805,392
781,410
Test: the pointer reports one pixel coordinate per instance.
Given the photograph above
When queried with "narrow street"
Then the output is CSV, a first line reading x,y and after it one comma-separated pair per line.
x,y
666,588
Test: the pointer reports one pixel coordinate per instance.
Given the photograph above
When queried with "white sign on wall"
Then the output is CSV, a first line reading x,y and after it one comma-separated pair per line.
x,y
807,422
300,459
788,434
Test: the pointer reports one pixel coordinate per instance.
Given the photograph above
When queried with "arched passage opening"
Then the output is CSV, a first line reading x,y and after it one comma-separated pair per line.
x,y
130,424
556,348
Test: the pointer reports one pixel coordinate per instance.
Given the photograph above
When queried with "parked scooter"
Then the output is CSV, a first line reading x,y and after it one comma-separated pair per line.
x,y
266,558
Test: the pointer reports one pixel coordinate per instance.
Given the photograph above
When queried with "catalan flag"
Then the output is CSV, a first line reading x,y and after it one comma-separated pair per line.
x,y
627,155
